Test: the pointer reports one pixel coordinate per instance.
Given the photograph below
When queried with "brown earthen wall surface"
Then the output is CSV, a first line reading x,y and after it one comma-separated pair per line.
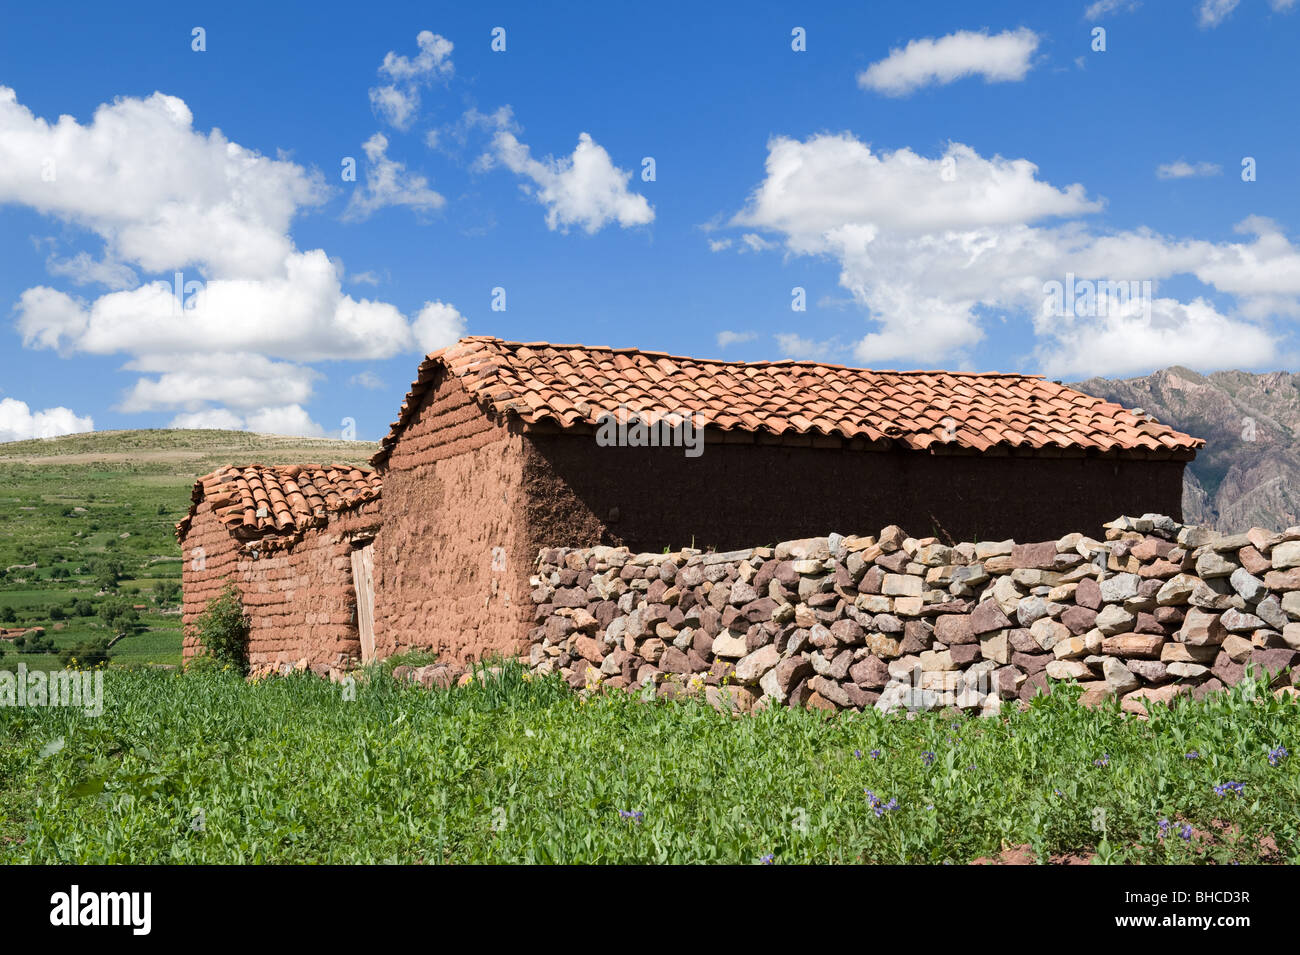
x,y
453,491
735,494
300,600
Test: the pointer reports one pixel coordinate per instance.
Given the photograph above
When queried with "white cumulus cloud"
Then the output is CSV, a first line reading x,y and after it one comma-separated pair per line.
x,y
998,58
1181,169
1213,12
19,423
398,101
388,183
1101,8
729,338
292,420
252,311
437,326
211,419
584,189
158,192
932,248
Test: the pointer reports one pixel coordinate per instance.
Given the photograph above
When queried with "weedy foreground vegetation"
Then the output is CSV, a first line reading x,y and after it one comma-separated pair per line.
x,y
202,766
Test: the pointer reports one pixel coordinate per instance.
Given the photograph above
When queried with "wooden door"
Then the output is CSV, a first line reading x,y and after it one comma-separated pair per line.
x,y
363,579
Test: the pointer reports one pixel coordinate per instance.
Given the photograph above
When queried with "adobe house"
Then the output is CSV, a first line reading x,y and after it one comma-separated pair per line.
x,y
297,542
502,448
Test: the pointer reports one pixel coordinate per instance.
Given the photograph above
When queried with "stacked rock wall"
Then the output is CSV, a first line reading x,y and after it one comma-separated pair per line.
x,y
1154,610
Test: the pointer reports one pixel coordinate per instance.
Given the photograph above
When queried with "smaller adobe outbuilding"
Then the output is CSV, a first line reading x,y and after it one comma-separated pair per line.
x,y
504,448
297,542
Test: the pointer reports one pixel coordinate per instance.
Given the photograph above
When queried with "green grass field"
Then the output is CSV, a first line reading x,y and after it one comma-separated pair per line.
x,y
69,504
203,767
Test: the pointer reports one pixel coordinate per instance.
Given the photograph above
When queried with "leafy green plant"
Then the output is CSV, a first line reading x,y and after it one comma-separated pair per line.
x,y
118,614
517,768
167,592
89,653
410,658
223,628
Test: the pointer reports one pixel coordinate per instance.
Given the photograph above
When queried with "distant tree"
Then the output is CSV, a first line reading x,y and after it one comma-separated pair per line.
x,y
7,615
83,608
107,571
118,614
166,592
57,613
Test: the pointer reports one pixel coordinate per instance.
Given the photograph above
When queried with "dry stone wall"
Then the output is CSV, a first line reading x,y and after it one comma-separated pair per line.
x,y
1153,611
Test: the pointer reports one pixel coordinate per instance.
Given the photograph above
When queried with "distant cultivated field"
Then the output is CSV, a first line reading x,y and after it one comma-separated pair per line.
x,y
69,504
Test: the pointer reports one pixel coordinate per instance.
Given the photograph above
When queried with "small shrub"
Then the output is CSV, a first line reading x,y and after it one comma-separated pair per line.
x,y
34,643
223,627
90,653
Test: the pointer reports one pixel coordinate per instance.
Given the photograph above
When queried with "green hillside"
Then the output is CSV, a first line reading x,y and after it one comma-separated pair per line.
x,y
78,511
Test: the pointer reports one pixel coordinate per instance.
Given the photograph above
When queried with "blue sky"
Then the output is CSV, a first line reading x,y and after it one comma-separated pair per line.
x,y
924,172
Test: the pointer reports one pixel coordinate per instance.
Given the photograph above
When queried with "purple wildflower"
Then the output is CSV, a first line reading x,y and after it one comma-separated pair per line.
x,y
879,807
1224,788
767,859
927,757
1194,754
1186,832
636,815
1276,756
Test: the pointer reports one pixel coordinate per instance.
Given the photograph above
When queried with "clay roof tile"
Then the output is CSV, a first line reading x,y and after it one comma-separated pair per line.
x,y
279,503
575,384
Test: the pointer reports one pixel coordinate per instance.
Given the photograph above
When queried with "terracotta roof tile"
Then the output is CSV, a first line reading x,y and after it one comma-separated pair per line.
x,y
576,384
277,504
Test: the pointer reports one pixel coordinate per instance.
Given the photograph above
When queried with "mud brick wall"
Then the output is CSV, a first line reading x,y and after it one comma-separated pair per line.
x,y
453,557
1153,611
739,493
300,598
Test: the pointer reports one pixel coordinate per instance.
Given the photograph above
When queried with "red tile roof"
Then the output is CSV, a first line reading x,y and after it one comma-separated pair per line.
x,y
572,385
280,502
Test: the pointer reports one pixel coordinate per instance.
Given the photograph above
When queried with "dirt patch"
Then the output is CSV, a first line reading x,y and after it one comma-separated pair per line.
x,y
1024,855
